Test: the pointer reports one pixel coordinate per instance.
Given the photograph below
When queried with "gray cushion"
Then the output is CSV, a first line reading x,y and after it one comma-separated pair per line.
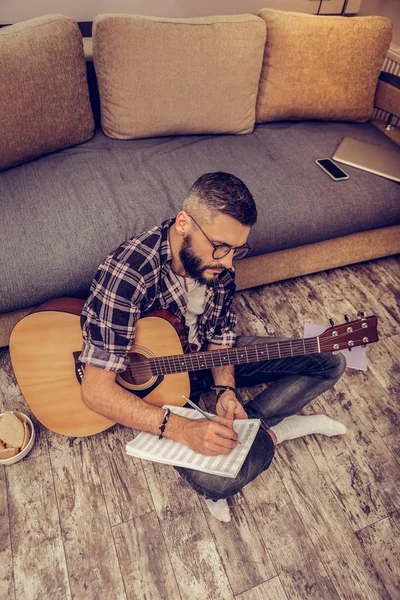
x,y
63,213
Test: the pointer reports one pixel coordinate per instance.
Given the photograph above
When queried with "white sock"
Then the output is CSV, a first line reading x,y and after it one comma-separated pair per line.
x,y
297,426
219,509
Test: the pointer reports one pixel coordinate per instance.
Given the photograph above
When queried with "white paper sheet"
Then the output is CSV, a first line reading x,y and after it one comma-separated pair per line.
x,y
167,451
356,359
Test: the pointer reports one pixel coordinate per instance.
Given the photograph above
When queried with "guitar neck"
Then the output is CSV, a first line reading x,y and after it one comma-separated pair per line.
x,y
233,356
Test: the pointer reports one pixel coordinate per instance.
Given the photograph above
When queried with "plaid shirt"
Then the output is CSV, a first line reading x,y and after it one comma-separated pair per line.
x,y
138,278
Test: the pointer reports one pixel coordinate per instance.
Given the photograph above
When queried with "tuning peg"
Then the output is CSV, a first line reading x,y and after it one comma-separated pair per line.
x,y
346,318
362,314
332,322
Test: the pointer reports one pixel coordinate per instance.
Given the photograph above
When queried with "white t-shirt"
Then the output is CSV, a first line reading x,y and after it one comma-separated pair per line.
x,y
195,295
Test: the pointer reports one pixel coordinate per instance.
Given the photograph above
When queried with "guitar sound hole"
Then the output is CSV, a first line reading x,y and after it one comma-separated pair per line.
x,y
138,373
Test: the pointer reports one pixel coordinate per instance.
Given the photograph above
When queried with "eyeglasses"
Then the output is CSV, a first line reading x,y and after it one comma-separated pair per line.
x,y
222,250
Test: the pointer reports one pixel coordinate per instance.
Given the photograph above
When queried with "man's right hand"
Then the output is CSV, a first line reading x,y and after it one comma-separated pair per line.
x,y
208,437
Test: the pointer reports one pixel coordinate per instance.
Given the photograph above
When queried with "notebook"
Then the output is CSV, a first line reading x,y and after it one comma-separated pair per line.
x,y
368,157
167,451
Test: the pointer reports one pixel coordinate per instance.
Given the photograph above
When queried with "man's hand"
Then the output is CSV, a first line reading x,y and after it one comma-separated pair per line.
x,y
206,437
229,407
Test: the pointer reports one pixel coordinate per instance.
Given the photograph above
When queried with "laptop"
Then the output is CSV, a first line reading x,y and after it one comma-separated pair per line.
x,y
368,157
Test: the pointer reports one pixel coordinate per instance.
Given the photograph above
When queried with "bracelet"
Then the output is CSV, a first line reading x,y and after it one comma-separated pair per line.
x,y
222,389
164,422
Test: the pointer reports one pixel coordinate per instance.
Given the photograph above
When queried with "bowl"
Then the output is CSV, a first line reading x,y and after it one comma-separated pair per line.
x,y
28,447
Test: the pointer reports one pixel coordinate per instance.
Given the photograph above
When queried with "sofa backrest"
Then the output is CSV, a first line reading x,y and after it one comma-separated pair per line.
x,y
160,76
163,76
44,100
321,67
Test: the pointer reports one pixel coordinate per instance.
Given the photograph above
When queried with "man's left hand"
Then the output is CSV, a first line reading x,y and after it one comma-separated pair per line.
x,y
228,406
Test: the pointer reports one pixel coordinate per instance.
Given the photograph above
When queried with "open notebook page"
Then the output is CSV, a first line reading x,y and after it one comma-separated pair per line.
x,y
167,451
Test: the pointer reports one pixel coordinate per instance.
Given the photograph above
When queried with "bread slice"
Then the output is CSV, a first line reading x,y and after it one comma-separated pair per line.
x,y
11,430
27,435
8,453
20,416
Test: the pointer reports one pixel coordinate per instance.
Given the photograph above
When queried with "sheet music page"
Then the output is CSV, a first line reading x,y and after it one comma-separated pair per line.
x,y
167,451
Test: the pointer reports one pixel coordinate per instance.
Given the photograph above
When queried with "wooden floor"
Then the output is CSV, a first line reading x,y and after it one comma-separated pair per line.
x,y
81,519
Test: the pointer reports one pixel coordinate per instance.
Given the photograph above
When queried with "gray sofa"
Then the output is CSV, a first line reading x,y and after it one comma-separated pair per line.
x,y
62,213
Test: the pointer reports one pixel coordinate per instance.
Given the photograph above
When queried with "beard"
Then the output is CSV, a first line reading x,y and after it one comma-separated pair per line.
x,y
193,264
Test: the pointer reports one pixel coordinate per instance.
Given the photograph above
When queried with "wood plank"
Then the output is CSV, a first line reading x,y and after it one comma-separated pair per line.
x,y
270,590
378,272
286,538
122,478
337,458
379,406
383,362
239,544
6,559
366,445
198,568
381,542
40,569
171,495
389,265
326,524
393,442
338,572
267,312
12,399
380,301
382,285
90,552
318,298
143,558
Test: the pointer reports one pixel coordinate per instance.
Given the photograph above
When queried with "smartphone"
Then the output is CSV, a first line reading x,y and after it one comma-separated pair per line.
x,y
331,169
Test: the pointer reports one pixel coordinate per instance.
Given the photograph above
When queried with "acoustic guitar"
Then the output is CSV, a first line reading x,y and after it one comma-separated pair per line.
x,y
45,346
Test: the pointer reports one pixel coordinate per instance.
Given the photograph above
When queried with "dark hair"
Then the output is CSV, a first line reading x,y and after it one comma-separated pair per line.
x,y
224,193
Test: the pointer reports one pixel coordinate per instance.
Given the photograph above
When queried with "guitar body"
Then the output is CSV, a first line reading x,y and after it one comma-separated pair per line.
x,y
42,347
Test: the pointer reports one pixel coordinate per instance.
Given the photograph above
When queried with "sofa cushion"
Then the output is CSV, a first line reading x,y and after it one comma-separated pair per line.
x,y
84,201
319,67
44,99
160,76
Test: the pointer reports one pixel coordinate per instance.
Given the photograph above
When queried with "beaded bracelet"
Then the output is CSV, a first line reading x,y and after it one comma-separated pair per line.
x,y
164,422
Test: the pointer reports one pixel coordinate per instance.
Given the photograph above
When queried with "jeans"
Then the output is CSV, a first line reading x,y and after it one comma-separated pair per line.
x,y
295,381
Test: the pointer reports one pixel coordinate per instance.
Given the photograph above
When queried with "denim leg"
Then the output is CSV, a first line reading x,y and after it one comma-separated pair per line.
x,y
216,487
295,380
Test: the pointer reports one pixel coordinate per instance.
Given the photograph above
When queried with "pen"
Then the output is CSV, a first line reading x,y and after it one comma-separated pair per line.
x,y
193,405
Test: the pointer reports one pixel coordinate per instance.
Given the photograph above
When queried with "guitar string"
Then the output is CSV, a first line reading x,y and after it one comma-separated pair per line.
x,y
254,354
143,368
254,351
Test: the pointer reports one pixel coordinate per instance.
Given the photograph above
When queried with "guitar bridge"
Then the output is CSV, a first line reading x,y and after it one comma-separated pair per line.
x,y
79,367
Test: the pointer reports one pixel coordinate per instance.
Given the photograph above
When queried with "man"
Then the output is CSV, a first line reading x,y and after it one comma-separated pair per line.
x,y
185,266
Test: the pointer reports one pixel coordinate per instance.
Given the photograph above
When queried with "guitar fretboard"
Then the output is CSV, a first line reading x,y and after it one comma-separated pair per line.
x,y
163,365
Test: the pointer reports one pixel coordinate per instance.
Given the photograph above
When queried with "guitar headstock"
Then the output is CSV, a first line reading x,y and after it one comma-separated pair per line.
x,y
360,332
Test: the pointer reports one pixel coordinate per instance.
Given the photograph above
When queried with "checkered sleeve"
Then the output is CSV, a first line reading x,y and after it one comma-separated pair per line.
x,y
226,320
224,334
109,317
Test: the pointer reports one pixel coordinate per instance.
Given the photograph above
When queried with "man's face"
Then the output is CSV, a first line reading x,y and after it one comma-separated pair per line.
x,y
196,253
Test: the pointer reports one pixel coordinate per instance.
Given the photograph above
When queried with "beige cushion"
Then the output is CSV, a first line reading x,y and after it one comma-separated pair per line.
x,y
161,76
320,67
44,99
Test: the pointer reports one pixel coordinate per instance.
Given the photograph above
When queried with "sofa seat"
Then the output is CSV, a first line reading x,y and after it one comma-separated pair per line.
x,y
64,212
